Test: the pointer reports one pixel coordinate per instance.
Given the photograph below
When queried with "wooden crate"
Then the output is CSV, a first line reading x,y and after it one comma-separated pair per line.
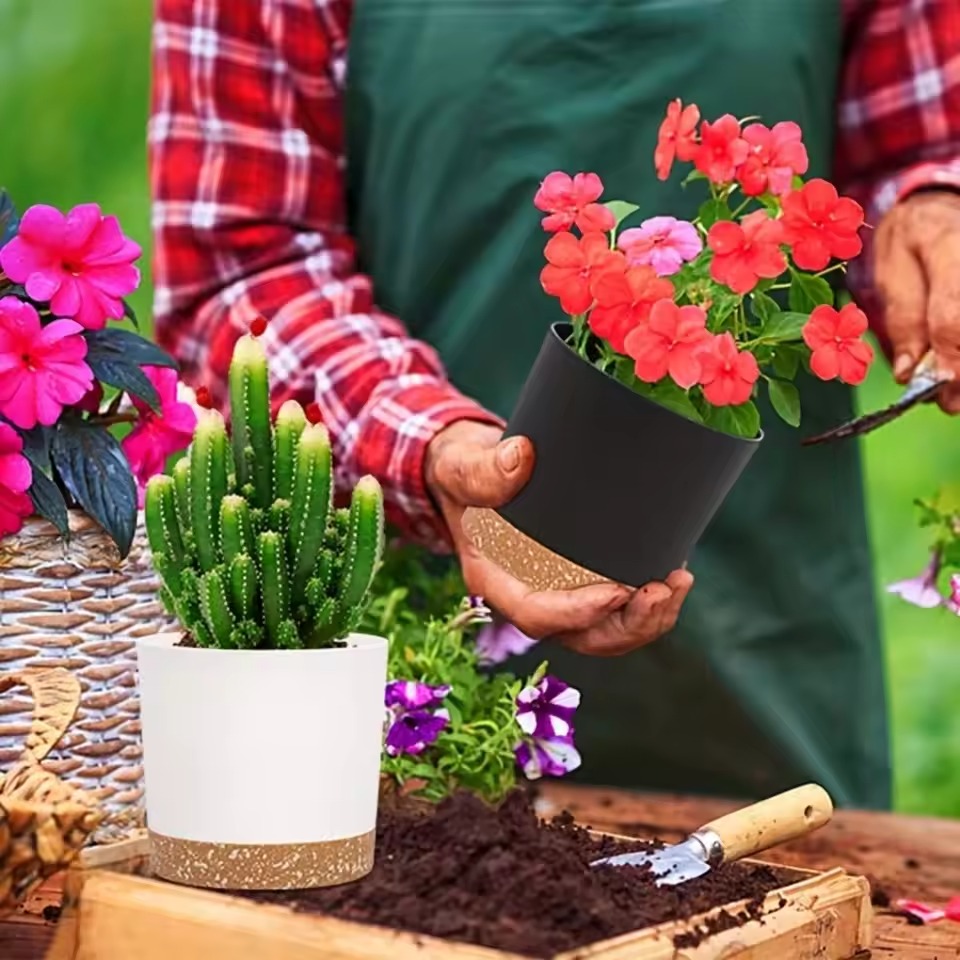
x,y
114,914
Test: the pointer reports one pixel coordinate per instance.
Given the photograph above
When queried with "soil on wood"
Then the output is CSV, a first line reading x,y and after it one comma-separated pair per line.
x,y
504,879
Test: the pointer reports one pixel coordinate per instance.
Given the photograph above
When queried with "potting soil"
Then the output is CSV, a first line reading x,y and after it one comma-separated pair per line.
x,y
501,878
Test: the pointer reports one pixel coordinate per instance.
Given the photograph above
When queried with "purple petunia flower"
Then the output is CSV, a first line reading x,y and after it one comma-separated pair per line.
x,y
545,712
499,640
411,695
414,730
550,758
921,590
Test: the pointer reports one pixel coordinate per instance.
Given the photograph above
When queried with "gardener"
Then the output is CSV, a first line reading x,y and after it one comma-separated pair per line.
x,y
452,114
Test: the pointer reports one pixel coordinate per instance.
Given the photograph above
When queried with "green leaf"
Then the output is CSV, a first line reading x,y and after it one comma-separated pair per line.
x,y
785,399
692,176
94,470
742,420
808,292
126,377
48,499
785,361
620,210
712,211
117,343
36,445
131,315
764,307
784,326
116,356
674,398
9,221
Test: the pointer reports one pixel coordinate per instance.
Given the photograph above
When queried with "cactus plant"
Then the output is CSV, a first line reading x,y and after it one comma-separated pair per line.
x,y
245,536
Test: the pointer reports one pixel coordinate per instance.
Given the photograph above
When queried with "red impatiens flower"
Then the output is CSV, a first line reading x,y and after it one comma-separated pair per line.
x,y
677,137
834,339
571,201
746,251
820,224
727,374
572,263
776,156
624,301
668,343
721,149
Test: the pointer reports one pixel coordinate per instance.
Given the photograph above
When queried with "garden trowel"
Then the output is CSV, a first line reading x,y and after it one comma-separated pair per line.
x,y
739,834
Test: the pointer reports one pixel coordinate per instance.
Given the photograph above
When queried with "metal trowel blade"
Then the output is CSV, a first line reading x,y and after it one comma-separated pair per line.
x,y
671,865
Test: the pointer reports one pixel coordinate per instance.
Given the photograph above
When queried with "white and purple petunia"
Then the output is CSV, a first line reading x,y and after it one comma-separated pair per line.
x,y
547,758
499,640
414,716
545,712
412,731
412,695
921,590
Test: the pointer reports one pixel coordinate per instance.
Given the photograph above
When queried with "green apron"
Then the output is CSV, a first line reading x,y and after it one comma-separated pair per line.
x,y
456,109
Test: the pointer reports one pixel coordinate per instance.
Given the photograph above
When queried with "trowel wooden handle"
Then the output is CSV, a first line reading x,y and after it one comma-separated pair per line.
x,y
765,824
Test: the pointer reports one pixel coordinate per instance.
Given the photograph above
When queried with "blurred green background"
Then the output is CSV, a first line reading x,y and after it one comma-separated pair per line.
x,y
73,98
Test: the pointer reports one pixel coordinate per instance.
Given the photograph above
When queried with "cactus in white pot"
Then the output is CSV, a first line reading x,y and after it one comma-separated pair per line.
x,y
263,715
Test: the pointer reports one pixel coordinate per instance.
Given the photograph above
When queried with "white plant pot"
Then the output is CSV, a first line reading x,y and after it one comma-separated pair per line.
x,y
262,766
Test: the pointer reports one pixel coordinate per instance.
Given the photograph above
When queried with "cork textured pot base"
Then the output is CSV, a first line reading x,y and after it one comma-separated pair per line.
x,y
521,556
261,866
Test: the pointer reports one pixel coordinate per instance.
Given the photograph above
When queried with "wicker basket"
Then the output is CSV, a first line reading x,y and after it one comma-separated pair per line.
x,y
74,604
43,821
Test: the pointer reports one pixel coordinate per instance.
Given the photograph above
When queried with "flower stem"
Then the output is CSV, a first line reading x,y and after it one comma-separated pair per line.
x,y
113,419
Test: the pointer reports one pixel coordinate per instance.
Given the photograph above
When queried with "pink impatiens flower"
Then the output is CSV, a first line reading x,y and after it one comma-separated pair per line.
x,y
80,262
571,201
727,373
776,155
156,437
669,343
15,479
42,369
664,243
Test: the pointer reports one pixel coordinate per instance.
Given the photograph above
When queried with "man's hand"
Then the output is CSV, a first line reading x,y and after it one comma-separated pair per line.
x,y
468,466
917,263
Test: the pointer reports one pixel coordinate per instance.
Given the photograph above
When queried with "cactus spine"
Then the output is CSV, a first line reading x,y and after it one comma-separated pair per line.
x,y
244,534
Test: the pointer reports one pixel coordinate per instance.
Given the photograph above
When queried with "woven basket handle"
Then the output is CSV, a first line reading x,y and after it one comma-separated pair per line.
x,y
56,699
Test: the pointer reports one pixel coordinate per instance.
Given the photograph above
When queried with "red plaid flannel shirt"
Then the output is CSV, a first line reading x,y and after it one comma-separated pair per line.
x,y
246,154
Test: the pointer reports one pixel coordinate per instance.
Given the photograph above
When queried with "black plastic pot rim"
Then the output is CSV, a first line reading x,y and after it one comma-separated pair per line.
x,y
561,329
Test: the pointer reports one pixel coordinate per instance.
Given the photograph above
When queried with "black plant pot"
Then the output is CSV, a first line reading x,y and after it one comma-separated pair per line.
x,y
622,488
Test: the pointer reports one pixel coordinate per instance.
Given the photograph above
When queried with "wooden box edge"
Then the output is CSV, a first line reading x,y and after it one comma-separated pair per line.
x,y
102,892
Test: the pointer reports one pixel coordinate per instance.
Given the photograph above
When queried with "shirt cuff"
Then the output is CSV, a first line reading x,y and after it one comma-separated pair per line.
x,y
391,444
920,176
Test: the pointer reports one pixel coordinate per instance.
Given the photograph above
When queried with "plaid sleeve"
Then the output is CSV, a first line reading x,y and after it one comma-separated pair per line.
x,y
899,111
246,169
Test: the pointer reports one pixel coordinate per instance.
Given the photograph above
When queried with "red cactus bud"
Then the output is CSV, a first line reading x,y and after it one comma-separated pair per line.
x,y
204,399
257,326
313,413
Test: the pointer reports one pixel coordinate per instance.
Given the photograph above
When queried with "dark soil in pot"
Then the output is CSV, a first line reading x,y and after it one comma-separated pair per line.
x,y
501,878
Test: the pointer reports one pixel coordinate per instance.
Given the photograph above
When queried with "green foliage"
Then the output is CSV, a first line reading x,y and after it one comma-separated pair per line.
x,y
243,565
93,470
476,750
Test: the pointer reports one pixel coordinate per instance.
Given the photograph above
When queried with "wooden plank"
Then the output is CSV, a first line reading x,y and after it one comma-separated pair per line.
x,y
826,916
122,917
